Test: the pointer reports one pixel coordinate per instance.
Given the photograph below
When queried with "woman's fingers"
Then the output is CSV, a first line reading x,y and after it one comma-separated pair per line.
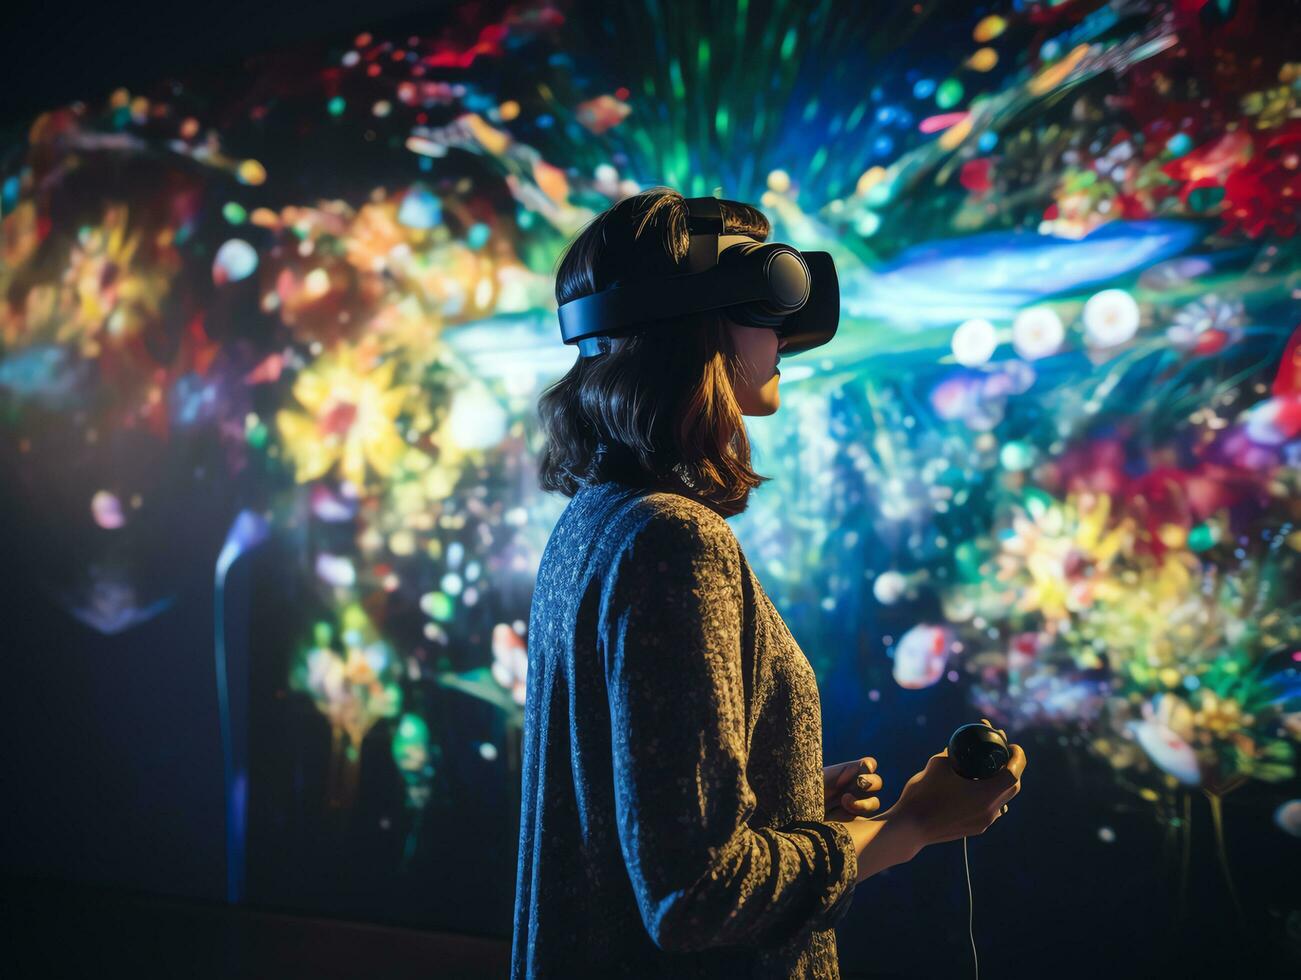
x,y
848,771
853,781
845,773
857,767
857,804
839,778
1017,762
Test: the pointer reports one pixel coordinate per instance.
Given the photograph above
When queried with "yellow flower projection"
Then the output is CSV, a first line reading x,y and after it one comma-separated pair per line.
x,y
1063,549
350,420
110,290
1157,614
1221,716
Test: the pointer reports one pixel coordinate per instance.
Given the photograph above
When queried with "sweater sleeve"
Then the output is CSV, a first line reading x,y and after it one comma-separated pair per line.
x,y
671,617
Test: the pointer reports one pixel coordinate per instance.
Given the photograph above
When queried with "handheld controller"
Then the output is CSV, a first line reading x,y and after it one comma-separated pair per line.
x,y
976,751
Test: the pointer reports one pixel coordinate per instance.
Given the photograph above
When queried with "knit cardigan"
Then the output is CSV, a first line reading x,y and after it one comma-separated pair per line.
x,y
672,820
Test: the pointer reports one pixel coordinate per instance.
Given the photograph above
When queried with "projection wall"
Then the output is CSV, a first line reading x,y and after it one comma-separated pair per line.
x,y
271,341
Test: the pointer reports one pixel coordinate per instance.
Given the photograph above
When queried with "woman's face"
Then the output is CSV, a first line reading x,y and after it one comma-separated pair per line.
x,y
755,385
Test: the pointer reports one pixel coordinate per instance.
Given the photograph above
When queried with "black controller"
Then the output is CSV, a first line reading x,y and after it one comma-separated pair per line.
x,y
977,751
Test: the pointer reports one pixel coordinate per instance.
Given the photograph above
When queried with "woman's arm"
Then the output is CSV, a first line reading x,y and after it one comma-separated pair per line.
x,y
671,640
883,841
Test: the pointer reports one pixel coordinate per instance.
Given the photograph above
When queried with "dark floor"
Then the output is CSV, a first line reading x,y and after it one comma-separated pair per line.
x,y
59,929
53,928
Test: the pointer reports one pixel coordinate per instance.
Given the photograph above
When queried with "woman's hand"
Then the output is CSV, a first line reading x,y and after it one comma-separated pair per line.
x,y
848,789
942,806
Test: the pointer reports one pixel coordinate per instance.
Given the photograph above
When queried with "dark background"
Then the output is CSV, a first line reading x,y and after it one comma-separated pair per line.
x,y
52,54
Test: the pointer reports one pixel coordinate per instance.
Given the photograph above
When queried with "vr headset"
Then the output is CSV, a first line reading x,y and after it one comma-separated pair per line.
x,y
756,284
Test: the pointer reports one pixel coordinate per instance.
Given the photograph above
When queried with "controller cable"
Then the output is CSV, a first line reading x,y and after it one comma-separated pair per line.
x,y
971,909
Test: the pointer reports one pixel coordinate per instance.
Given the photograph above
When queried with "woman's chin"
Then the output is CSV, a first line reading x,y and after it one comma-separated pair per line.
x,y
759,401
772,396
763,407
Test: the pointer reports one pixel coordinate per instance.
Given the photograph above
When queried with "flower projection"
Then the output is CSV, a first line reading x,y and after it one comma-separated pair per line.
x,y
353,687
350,422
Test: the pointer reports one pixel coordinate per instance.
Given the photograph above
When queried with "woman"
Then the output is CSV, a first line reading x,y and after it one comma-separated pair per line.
x,y
676,818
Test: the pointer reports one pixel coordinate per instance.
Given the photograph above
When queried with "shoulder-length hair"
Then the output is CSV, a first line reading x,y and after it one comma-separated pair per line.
x,y
658,407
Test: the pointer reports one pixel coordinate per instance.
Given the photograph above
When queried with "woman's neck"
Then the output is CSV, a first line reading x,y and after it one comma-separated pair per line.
x,y
676,484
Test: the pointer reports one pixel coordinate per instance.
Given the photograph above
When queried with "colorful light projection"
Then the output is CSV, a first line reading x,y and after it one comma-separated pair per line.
x,y
1056,443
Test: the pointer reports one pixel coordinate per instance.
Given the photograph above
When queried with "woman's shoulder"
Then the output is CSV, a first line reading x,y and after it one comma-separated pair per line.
x,y
672,522
652,520
665,508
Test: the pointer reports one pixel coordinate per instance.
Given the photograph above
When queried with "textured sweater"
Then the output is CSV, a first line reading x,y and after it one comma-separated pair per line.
x,y
672,821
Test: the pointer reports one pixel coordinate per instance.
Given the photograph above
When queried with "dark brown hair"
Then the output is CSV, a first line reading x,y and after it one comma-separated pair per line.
x,y
662,396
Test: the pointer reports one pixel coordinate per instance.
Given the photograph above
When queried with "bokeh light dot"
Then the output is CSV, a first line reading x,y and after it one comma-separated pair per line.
x,y
251,172
988,28
236,259
949,93
974,342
